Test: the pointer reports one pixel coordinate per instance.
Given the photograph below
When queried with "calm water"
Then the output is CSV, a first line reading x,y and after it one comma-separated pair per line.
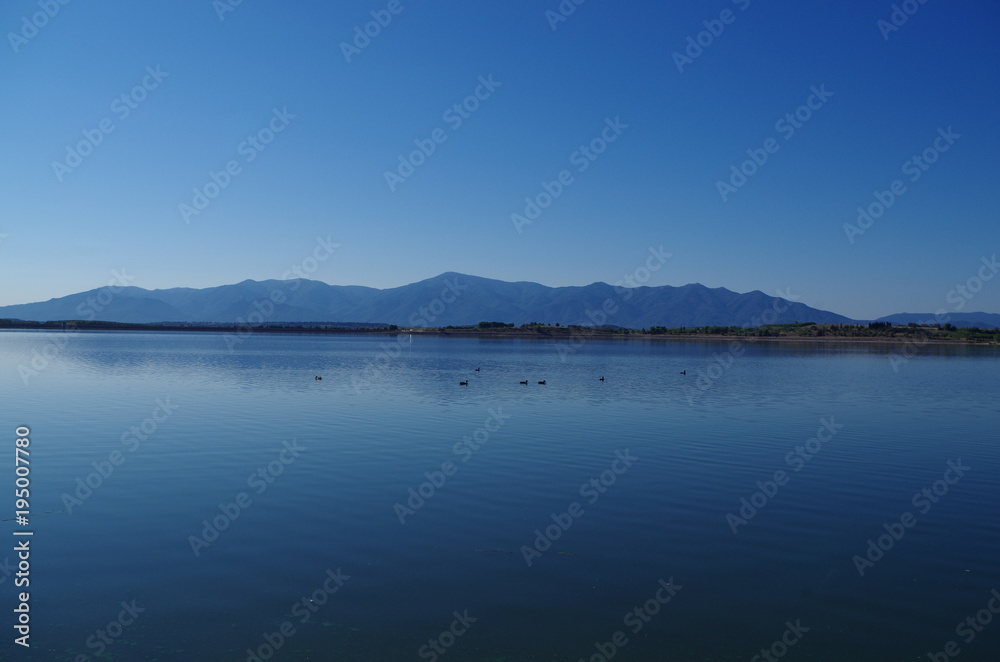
x,y
695,445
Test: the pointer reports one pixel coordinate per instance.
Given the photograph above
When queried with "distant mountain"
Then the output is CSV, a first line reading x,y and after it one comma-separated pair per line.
x,y
982,320
448,299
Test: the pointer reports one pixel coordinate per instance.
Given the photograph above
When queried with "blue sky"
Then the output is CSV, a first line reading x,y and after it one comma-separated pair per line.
x,y
335,128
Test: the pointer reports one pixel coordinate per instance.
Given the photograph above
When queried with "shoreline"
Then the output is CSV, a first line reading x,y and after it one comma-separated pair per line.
x,y
702,337
920,336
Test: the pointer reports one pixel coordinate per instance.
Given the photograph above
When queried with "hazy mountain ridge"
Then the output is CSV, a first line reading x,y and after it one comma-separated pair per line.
x,y
447,299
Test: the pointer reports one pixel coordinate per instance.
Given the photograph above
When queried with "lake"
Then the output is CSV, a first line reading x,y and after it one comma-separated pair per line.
x,y
196,498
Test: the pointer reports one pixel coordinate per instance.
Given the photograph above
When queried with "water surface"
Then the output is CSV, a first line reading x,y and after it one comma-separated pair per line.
x,y
207,420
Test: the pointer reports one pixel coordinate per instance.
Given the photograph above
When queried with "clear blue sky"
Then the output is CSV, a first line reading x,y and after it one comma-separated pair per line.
x,y
656,184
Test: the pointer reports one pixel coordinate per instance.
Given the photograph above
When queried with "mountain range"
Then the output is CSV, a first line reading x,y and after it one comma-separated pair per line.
x,y
448,299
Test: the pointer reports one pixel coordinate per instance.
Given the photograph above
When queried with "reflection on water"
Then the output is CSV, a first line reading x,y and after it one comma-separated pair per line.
x,y
203,437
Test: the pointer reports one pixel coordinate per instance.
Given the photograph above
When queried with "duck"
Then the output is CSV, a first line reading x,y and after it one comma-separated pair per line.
x,y
684,372
318,378
600,379
542,382
463,383
477,369
524,382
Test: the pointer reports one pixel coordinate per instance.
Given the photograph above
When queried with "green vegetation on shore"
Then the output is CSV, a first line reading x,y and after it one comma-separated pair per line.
x,y
800,330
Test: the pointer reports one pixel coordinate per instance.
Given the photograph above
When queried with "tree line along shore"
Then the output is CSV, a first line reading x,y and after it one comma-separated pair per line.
x,y
872,331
